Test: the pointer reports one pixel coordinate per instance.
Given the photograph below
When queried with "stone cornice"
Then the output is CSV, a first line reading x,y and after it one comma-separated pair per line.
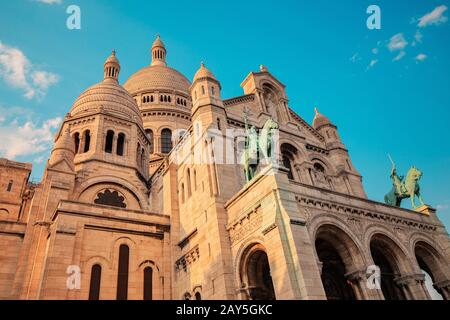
x,y
344,208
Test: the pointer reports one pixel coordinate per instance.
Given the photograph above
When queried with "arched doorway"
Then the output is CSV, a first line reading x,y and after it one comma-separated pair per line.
x,y
430,263
333,277
337,254
385,255
255,274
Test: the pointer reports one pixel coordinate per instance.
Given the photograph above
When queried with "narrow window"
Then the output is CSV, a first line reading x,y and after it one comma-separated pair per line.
x,y
149,134
109,141
151,99
169,99
166,141
288,165
182,193
94,287
148,275
189,192
120,144
212,90
143,158
122,275
198,296
76,138
87,140
10,184
203,90
138,153
195,180
218,124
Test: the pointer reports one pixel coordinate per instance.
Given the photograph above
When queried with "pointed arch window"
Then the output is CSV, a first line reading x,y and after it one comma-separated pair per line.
x,y
94,287
166,141
148,283
87,140
109,141
122,274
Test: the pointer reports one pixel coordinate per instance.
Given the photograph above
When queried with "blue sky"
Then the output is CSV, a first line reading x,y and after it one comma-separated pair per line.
x,y
387,90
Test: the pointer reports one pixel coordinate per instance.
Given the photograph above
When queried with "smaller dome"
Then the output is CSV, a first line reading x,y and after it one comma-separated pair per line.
x,y
108,95
203,72
64,148
65,142
158,42
112,58
320,120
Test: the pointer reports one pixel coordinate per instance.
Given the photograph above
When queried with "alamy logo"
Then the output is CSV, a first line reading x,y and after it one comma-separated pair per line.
x,y
374,20
74,20
74,279
373,274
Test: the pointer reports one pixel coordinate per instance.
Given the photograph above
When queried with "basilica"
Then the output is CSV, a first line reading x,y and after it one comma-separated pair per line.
x,y
144,197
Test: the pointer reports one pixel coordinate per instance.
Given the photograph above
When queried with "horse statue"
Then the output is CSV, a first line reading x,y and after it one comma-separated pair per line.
x,y
266,142
404,187
250,153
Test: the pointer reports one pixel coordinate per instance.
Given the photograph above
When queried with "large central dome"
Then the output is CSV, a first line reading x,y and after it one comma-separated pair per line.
x,y
157,76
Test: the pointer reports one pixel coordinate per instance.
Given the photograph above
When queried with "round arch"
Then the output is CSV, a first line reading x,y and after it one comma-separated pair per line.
x,y
115,181
432,264
393,263
254,273
339,255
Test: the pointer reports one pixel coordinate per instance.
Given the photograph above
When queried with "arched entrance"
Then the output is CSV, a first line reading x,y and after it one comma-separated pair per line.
x,y
430,263
337,254
385,255
255,274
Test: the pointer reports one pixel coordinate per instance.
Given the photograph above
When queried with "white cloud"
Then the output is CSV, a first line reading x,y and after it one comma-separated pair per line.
x,y
434,17
399,56
18,72
442,207
375,50
420,57
20,135
355,57
418,36
397,42
49,1
372,64
44,79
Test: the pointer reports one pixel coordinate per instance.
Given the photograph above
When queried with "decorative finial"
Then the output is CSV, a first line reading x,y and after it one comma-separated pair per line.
x,y
316,110
114,52
263,68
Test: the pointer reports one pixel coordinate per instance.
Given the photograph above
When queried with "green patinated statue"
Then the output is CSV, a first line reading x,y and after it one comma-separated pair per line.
x,y
404,187
256,145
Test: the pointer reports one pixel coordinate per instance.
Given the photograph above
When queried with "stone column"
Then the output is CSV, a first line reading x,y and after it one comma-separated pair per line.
x,y
412,286
114,144
358,281
444,288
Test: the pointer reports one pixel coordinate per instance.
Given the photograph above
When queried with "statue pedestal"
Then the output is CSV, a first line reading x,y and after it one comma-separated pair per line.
x,y
425,210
